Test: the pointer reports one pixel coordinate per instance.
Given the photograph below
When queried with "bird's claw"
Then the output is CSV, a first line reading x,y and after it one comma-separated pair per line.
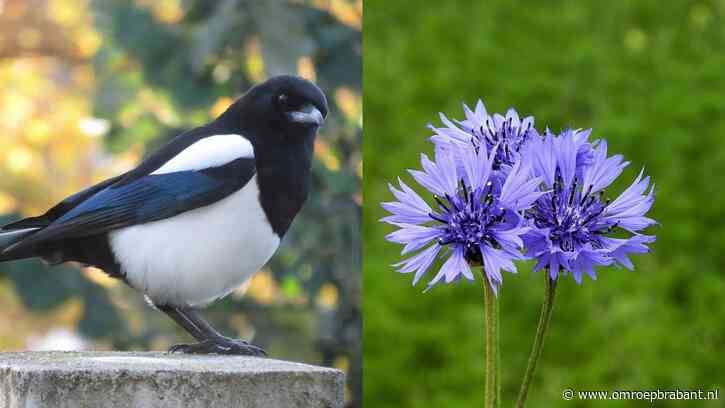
x,y
220,346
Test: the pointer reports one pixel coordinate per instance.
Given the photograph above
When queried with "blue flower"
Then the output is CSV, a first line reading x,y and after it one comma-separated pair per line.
x,y
505,135
471,224
572,222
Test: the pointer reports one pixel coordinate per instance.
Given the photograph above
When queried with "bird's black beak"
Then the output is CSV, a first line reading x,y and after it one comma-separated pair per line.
x,y
308,115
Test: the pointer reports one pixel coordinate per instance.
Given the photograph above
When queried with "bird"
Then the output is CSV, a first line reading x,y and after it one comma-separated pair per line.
x,y
198,217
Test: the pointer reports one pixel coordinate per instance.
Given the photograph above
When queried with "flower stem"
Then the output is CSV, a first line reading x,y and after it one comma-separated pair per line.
x,y
498,353
544,319
490,306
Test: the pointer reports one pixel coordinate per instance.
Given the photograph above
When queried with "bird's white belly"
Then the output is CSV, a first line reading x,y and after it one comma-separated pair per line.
x,y
198,256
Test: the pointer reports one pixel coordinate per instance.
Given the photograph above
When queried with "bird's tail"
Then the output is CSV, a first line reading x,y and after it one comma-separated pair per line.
x,y
10,237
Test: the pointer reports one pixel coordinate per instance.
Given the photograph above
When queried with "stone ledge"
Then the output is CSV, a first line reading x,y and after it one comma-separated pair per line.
x,y
139,380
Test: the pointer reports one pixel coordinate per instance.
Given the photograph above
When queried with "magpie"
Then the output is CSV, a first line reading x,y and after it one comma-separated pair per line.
x,y
197,218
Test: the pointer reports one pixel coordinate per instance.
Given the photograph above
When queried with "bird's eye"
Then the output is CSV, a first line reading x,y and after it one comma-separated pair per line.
x,y
283,100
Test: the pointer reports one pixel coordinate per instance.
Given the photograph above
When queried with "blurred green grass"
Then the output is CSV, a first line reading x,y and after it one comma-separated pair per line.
x,y
646,75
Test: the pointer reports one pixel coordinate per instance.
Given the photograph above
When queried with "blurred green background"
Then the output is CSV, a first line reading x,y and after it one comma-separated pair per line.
x,y
88,87
648,76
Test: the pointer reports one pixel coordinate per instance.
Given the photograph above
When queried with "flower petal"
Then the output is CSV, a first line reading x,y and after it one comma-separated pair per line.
x,y
476,165
566,152
603,170
520,189
452,269
628,210
540,153
440,176
410,209
493,261
621,248
420,262
413,236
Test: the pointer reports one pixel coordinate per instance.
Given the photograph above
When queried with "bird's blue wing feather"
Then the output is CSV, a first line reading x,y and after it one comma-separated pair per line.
x,y
146,199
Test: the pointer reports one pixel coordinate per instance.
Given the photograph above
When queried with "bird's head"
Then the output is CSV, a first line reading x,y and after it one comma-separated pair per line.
x,y
283,103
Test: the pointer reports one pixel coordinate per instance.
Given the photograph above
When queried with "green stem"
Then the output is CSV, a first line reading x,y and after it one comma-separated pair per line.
x,y
490,305
498,353
544,319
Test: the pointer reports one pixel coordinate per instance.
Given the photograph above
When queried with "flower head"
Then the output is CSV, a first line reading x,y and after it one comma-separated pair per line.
x,y
471,223
505,135
573,222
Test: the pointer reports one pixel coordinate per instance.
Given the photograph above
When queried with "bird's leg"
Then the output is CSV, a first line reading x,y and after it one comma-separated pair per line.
x,y
209,340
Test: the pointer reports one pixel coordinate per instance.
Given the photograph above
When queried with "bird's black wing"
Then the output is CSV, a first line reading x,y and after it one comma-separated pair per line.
x,y
144,199
61,208
146,167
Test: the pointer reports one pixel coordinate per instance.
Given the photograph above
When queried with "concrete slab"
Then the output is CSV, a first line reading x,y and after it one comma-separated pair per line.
x,y
139,380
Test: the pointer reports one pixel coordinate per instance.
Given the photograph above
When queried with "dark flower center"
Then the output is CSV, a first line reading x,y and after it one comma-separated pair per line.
x,y
571,215
467,218
508,137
